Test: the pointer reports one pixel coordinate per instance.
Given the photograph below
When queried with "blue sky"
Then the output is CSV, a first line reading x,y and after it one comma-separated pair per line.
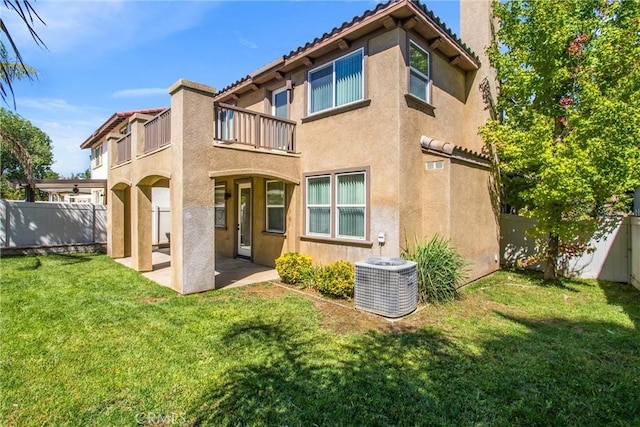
x,y
108,56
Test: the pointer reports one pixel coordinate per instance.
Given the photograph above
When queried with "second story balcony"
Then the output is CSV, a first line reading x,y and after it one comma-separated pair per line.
x,y
157,131
124,149
262,131
146,134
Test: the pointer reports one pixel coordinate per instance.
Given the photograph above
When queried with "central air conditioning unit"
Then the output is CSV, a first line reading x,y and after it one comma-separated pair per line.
x,y
386,286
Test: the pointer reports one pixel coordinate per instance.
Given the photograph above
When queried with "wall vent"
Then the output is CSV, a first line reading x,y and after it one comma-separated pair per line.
x,y
439,164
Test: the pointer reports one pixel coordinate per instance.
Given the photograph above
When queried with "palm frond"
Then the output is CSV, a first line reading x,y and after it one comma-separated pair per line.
x,y
9,70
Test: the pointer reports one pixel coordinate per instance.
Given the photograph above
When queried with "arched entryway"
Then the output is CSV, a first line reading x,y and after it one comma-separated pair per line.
x,y
146,221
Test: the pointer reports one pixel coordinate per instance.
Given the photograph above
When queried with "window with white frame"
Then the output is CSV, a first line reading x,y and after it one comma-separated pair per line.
x,y
350,205
96,156
280,103
419,69
337,83
319,205
220,206
336,205
275,206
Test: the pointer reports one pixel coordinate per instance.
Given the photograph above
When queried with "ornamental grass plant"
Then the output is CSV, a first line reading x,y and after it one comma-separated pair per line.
x,y
441,270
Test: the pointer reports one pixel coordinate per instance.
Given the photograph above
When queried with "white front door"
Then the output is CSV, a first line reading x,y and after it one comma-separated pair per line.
x,y
244,220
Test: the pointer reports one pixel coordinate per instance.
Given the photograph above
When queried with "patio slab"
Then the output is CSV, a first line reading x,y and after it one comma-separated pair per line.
x,y
230,272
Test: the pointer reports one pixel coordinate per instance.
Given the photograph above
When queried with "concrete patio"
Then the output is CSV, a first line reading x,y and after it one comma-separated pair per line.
x,y
230,272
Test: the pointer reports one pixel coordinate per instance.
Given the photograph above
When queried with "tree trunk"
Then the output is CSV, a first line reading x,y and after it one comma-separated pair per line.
x,y
551,257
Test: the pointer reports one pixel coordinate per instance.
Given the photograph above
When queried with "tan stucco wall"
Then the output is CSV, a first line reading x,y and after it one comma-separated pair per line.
x,y
266,246
474,227
406,201
454,201
382,136
475,30
129,227
192,191
342,141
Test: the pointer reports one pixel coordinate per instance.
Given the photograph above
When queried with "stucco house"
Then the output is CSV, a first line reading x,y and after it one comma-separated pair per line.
x,y
346,148
118,126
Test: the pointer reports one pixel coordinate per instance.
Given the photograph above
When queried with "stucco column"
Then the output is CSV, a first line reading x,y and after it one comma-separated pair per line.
x,y
192,191
118,234
141,237
112,148
137,122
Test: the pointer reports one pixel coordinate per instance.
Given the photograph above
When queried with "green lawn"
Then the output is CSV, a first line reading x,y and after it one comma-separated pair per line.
x,y
86,341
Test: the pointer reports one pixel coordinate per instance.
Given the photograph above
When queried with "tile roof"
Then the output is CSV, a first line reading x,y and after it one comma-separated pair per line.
x,y
458,152
358,19
113,121
370,12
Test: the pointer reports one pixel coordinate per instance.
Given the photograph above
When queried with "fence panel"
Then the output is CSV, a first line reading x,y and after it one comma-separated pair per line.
x,y
161,225
635,251
51,224
610,260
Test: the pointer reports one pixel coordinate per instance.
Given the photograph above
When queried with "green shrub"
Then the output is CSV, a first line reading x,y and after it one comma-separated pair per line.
x,y
292,267
312,276
441,270
337,279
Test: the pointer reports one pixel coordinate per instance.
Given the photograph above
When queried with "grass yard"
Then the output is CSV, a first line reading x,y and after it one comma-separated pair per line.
x,y
86,341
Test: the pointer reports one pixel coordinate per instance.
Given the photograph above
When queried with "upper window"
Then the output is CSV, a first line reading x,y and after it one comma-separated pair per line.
x,y
96,156
342,215
337,83
419,72
280,103
220,204
275,206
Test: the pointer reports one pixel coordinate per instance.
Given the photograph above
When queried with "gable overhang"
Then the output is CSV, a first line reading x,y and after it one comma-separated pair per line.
x,y
407,14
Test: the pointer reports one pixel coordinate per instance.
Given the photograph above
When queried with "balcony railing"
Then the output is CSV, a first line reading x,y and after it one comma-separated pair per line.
x,y
241,126
157,131
124,149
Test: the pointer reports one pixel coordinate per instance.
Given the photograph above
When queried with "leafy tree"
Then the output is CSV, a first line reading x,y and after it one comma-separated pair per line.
x,y
25,151
569,133
81,175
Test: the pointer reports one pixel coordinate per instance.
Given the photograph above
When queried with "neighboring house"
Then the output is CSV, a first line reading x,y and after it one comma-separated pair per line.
x,y
118,126
349,147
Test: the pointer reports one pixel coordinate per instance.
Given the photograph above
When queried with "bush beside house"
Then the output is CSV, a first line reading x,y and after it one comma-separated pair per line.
x,y
336,279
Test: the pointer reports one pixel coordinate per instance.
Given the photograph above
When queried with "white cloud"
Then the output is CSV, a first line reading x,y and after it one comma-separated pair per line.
x,y
85,28
53,105
245,42
68,125
66,137
141,92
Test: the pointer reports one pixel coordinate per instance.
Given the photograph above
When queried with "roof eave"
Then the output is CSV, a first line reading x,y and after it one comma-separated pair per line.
x,y
370,21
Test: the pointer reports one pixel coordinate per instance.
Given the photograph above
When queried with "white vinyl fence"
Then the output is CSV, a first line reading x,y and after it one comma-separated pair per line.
x,y
45,224
616,257
161,223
